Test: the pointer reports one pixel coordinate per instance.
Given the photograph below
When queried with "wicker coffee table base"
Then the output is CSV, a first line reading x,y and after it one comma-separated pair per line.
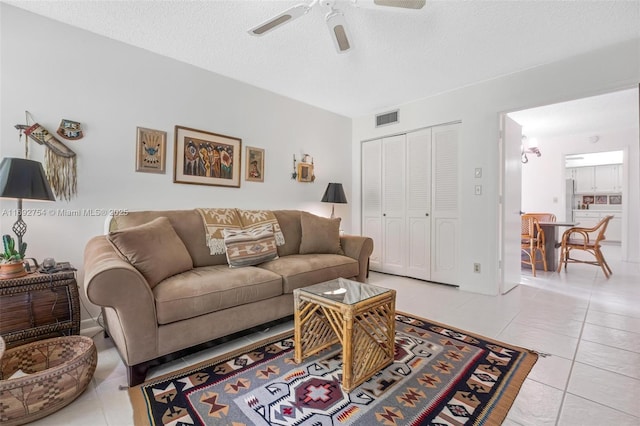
x,y
365,330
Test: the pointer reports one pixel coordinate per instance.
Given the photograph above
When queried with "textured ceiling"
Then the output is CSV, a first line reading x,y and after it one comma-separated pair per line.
x,y
398,55
589,116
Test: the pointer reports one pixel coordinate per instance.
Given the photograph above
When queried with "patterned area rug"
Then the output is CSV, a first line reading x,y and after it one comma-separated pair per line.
x,y
440,376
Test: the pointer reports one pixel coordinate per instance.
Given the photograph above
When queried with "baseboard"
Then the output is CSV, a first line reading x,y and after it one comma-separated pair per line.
x,y
89,323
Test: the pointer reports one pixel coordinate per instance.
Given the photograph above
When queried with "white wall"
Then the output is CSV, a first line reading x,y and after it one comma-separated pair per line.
x,y
479,107
543,177
57,71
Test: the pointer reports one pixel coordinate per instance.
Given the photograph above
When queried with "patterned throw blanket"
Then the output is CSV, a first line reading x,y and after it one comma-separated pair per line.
x,y
216,220
253,218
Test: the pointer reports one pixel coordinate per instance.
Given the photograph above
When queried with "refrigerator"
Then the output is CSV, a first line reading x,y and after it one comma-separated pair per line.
x,y
570,200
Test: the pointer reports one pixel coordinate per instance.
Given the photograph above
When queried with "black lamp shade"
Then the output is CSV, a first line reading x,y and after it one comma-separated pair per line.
x,y
334,194
24,179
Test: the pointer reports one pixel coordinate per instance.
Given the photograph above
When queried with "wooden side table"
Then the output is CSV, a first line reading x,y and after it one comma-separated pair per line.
x,y
39,306
359,316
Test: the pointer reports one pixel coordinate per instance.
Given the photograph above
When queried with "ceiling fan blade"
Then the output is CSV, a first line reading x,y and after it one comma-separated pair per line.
x,y
404,4
339,32
281,19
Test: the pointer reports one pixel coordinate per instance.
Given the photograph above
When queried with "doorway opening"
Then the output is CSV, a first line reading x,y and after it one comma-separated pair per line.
x,y
588,128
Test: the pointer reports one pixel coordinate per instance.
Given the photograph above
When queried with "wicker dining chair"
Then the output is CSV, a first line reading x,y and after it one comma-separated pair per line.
x,y
532,241
544,217
582,239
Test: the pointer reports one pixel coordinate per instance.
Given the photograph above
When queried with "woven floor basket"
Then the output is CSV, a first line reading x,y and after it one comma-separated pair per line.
x,y
57,371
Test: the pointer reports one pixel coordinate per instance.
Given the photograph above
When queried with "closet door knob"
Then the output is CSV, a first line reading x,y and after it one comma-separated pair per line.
x,y
384,214
426,214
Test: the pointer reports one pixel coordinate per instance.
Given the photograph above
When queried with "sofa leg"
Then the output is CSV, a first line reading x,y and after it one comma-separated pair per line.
x,y
137,373
103,323
368,260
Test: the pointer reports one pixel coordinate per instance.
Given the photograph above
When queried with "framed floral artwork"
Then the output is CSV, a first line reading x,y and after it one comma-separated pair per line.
x,y
151,150
254,169
205,158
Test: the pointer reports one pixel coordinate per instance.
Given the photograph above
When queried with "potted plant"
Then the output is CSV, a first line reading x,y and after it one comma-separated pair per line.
x,y
11,260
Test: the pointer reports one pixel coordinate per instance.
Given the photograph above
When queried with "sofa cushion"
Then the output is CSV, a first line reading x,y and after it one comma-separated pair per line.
x,y
248,247
212,288
187,224
154,249
289,221
319,234
302,270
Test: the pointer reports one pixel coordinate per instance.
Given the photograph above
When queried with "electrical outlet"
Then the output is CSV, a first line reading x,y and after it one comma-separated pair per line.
x,y
476,268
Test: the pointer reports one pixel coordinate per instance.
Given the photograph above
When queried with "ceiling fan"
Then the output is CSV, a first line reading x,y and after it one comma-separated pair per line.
x,y
335,18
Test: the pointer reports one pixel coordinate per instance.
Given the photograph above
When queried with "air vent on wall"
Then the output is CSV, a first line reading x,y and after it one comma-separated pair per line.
x,y
387,118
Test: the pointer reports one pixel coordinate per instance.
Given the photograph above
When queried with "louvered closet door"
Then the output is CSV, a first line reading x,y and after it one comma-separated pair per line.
x,y
445,210
393,205
372,199
418,203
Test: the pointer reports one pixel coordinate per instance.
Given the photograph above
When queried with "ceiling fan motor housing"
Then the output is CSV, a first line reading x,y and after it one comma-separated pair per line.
x,y
335,18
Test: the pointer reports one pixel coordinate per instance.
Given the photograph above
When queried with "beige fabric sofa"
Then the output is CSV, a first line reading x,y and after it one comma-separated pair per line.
x,y
180,314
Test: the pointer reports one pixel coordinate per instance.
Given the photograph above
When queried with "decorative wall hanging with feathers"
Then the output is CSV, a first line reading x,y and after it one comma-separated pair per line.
x,y
59,161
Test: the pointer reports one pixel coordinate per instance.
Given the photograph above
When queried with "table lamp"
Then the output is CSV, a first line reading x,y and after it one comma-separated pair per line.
x,y
334,194
23,179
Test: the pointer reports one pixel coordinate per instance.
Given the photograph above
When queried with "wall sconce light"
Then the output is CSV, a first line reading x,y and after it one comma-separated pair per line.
x,y
529,146
294,174
303,172
305,169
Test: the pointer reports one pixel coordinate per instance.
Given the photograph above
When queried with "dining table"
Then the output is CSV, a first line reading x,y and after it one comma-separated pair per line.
x,y
550,240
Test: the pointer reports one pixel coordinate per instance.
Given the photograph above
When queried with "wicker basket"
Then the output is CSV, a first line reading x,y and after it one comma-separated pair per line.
x,y
57,371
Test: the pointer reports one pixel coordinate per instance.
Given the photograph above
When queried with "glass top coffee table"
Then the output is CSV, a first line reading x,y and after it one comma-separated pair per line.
x,y
361,317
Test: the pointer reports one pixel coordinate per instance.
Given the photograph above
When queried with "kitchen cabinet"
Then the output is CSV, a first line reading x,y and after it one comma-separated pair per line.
x,y
586,219
603,179
589,219
584,180
608,178
614,229
618,178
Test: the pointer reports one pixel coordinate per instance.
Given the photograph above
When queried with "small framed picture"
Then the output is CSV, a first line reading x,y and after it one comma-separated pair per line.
x,y
205,158
601,199
151,150
587,199
305,172
615,199
254,164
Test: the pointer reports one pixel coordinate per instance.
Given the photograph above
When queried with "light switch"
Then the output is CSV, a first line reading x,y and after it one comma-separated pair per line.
x,y
478,172
478,189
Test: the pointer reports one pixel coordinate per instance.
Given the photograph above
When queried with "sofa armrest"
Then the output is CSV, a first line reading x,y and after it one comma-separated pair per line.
x,y
110,281
359,248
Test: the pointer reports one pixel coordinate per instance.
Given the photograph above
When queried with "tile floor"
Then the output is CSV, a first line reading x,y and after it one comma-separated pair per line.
x,y
589,326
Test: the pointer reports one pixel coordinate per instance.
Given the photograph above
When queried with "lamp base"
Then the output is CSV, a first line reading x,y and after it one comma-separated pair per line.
x,y
333,211
20,227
